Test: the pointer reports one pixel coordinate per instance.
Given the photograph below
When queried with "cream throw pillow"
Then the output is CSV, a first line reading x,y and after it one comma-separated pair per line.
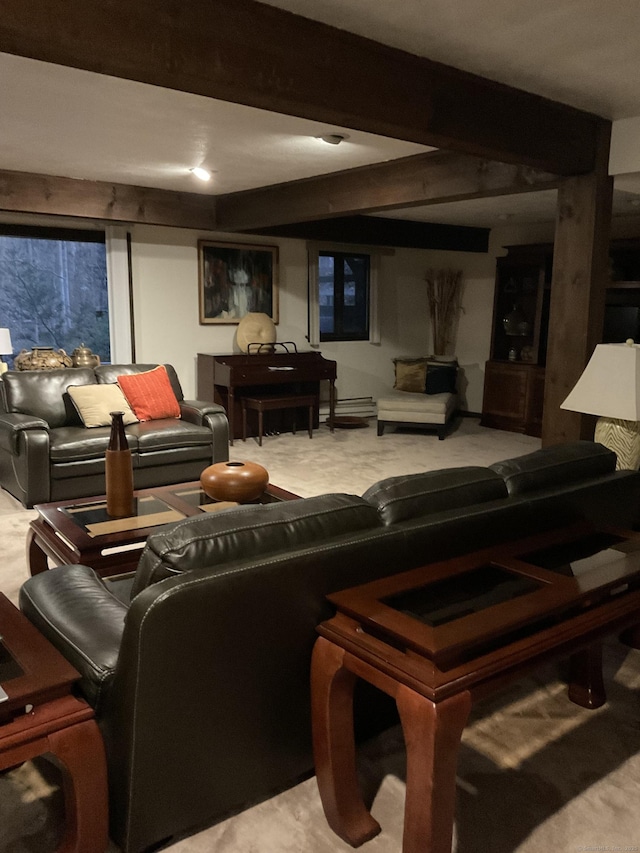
x,y
94,404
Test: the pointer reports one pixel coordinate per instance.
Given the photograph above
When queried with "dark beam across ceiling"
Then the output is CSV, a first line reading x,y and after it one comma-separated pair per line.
x,y
250,53
431,178
379,231
21,192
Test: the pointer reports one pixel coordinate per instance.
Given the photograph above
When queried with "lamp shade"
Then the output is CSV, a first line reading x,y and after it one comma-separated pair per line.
x,y
610,384
5,342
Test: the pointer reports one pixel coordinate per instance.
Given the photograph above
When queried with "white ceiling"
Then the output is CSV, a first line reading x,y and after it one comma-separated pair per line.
x,y
62,121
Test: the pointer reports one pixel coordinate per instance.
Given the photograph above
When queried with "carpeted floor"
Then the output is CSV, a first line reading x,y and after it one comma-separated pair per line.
x,y
536,773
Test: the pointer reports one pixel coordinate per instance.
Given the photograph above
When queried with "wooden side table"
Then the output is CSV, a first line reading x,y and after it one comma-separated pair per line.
x,y
442,636
42,716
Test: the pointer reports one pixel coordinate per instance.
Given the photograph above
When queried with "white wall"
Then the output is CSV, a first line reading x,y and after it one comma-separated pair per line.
x,y
166,317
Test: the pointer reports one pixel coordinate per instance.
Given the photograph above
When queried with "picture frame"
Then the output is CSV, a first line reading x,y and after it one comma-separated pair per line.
x,y
236,279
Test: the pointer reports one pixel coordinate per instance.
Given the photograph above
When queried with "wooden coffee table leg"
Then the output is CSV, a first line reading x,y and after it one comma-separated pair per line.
x,y
36,557
586,687
334,746
80,755
432,735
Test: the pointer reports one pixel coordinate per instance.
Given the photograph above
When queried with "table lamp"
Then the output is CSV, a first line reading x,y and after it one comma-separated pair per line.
x,y
610,388
5,348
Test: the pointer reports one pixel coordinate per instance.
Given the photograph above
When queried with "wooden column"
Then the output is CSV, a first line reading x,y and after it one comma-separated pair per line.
x,y
578,289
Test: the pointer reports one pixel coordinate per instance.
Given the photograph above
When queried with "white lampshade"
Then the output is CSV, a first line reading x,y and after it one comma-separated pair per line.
x,y
610,384
5,342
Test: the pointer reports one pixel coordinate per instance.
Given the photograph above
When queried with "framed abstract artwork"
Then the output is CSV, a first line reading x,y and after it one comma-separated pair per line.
x,y
236,279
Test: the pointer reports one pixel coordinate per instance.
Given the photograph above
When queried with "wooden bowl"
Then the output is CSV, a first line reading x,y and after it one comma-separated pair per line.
x,y
234,481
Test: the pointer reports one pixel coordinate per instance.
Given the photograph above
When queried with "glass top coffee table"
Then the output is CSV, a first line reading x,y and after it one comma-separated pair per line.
x,y
81,531
441,636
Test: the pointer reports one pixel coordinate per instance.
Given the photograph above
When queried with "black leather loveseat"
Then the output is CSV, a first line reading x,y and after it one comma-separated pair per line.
x,y
47,454
199,669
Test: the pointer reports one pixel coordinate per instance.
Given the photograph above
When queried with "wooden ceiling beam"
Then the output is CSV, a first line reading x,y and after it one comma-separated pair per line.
x,y
44,194
432,178
249,53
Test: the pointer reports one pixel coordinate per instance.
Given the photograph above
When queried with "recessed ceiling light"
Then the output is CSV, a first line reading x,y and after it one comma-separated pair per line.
x,y
333,138
505,215
635,202
201,173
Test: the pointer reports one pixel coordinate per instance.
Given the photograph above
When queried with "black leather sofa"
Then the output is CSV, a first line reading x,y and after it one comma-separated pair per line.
x,y
198,666
47,454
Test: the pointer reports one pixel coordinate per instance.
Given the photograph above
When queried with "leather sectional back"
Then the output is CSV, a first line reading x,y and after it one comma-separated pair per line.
x,y
43,393
220,539
108,374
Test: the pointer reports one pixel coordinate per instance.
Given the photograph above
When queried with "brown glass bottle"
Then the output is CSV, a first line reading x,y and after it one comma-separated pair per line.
x,y
118,470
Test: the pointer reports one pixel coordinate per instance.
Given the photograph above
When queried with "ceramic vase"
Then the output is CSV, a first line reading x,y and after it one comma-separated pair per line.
x,y
234,481
118,470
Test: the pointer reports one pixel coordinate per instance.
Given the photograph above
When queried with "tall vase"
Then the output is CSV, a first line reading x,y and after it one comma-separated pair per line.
x,y
118,470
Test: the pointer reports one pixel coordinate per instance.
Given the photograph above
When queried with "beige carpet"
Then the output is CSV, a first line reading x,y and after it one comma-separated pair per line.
x,y
536,774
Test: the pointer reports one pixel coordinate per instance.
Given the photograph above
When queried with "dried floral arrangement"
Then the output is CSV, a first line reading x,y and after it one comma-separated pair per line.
x,y
444,292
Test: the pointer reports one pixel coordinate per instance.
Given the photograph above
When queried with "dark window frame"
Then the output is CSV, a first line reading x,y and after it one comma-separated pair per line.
x,y
340,333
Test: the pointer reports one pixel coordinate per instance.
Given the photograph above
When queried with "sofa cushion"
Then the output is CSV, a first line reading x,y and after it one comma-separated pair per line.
x,y
43,393
555,466
94,404
150,394
74,444
410,374
250,531
168,433
416,495
441,378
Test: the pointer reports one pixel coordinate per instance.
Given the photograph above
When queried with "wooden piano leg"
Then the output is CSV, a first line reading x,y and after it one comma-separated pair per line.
x,y
332,403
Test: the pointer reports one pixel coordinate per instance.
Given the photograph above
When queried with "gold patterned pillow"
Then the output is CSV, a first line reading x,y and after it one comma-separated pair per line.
x,y
411,374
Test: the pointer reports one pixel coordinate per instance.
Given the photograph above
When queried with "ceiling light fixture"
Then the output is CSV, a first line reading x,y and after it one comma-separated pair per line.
x,y
333,138
200,173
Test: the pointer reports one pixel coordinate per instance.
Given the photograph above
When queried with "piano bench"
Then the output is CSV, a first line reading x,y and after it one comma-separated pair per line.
x,y
270,402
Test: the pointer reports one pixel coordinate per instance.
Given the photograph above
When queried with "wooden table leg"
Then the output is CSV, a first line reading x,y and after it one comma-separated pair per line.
x,y
36,557
432,735
80,754
334,746
586,687
66,730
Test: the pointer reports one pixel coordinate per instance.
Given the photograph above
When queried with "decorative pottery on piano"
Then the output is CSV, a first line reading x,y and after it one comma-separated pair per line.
x,y
255,328
234,481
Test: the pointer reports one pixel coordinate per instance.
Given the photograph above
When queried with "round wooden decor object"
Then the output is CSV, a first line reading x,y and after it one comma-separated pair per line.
x,y
348,422
234,481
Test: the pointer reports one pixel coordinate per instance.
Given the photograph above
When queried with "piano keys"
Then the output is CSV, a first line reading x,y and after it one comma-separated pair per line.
x,y
225,378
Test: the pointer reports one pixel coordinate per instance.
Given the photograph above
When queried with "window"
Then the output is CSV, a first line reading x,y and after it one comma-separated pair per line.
x,y
53,288
343,295
343,292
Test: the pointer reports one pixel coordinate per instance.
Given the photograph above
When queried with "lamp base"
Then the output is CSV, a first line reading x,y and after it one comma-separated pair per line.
x,y
623,437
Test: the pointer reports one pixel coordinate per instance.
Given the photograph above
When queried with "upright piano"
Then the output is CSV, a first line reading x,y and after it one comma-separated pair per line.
x,y
225,378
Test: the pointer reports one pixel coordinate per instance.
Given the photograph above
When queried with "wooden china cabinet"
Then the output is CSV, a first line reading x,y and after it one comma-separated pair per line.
x,y
514,375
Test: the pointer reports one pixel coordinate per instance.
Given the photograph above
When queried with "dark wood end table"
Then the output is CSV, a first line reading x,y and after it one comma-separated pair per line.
x,y
40,715
442,636
80,531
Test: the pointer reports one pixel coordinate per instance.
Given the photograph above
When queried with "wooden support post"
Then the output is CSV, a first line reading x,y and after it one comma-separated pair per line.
x,y
578,288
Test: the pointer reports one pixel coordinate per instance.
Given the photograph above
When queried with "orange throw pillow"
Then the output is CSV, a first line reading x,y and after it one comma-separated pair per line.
x,y
150,394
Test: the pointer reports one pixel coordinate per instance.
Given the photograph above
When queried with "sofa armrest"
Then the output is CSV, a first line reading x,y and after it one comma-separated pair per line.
x,y
195,411
12,424
213,416
76,612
